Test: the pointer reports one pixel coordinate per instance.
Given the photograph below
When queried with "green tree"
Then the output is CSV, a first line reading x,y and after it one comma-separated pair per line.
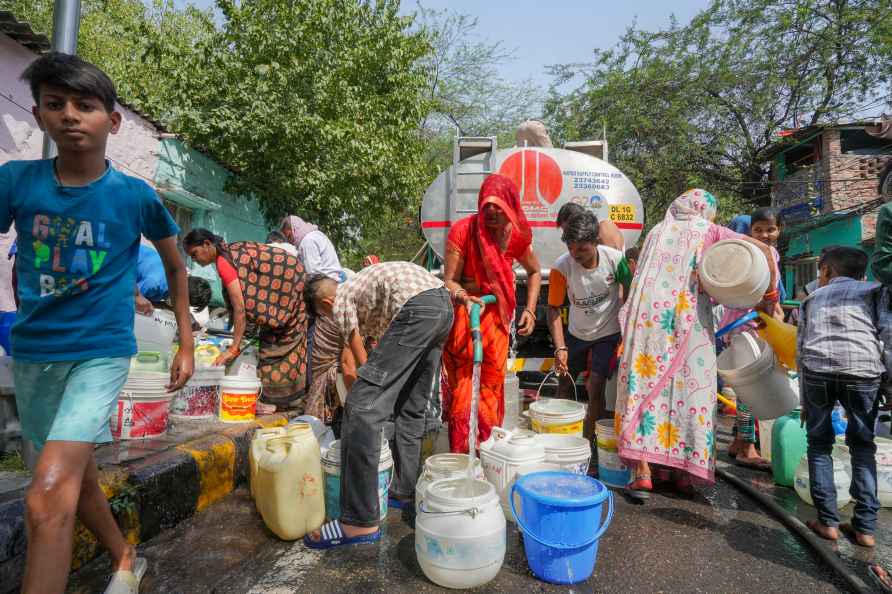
x,y
700,104
316,104
139,44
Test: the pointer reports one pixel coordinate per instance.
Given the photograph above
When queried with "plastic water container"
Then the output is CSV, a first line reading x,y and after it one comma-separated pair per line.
x,y
749,366
513,401
7,319
842,480
155,332
884,471
331,466
238,398
444,466
143,407
561,523
556,415
735,273
503,454
765,430
200,397
258,446
611,469
788,445
289,488
782,338
460,533
568,452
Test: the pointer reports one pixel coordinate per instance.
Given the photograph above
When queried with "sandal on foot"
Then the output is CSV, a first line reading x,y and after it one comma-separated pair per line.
x,y
127,582
883,581
754,464
640,488
332,535
815,526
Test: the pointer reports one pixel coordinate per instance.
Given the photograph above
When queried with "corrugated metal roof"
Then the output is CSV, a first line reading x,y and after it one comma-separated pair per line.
x,y
21,32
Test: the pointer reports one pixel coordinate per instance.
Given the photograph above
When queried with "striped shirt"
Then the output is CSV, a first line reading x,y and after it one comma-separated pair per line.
x,y
838,330
370,301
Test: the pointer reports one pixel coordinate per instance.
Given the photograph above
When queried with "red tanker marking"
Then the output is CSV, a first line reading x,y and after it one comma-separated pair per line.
x,y
521,169
630,225
543,224
435,224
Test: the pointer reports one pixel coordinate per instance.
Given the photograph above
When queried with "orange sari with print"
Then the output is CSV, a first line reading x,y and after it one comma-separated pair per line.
x,y
487,263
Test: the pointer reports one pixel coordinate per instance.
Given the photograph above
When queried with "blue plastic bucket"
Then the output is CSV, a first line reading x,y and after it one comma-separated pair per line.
x,y
561,523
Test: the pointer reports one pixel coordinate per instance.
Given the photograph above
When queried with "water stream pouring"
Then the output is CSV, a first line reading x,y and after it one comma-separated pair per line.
x,y
476,310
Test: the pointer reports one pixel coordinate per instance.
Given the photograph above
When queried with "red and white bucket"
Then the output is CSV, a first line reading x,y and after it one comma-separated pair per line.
x,y
143,407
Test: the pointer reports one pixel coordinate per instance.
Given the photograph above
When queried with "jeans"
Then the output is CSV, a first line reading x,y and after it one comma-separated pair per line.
x,y
858,397
398,379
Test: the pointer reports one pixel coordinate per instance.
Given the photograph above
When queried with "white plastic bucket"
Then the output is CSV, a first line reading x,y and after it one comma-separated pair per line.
x,y
735,273
155,332
750,367
460,534
143,407
556,415
331,469
238,398
200,397
611,470
569,452
884,470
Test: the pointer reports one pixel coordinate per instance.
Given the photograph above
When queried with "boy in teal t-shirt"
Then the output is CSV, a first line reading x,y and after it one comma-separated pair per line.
x,y
79,223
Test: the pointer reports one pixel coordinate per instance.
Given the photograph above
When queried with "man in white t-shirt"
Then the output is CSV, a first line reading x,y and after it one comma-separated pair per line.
x,y
590,275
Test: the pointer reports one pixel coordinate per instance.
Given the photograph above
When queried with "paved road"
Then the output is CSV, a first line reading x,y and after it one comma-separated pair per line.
x,y
718,542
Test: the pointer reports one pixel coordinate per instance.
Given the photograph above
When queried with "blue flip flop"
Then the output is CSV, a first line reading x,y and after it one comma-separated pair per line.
x,y
333,536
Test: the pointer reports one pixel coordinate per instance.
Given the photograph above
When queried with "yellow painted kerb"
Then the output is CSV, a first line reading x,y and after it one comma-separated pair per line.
x,y
216,469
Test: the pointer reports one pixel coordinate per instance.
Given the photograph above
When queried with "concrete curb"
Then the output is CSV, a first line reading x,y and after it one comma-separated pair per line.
x,y
796,526
147,496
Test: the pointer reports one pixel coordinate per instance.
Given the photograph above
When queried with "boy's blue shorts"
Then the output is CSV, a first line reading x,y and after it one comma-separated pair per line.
x,y
68,400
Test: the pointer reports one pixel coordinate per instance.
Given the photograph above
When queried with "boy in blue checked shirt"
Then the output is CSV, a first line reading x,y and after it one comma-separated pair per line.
x,y
79,223
840,359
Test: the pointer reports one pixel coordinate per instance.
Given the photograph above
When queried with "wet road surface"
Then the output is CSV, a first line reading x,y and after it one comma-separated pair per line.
x,y
720,541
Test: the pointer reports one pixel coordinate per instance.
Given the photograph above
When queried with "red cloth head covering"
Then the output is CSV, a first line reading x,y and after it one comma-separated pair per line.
x,y
494,273
370,260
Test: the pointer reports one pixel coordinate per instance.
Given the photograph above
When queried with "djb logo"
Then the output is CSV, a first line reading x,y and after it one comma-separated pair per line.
x,y
537,175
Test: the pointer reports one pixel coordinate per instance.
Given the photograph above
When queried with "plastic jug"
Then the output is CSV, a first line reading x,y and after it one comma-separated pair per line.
x,y
788,445
503,454
258,446
734,273
782,338
289,492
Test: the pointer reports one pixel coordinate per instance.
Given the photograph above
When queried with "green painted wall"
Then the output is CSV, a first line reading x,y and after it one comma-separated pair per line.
x,y
239,217
846,231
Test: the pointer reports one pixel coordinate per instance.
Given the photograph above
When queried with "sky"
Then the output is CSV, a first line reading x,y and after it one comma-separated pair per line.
x,y
545,32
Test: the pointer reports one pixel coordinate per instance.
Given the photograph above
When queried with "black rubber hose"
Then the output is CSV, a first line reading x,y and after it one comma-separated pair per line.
x,y
795,525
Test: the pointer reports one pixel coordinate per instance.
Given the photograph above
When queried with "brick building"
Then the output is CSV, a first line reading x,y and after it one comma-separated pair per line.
x,y
825,179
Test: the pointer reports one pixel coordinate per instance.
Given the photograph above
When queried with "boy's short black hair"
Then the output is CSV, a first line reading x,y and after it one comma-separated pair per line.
x,y
199,292
73,73
312,287
845,261
633,253
581,228
767,213
567,211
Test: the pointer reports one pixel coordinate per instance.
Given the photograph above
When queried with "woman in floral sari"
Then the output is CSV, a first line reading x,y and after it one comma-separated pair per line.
x,y
667,376
480,252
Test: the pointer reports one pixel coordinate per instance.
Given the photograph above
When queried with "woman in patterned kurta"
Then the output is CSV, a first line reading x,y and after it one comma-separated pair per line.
x,y
667,377
264,285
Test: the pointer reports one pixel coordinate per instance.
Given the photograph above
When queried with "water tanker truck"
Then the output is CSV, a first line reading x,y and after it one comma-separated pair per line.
x,y
547,178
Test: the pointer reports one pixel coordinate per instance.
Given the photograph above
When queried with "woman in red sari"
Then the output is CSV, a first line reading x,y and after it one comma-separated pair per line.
x,y
480,252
